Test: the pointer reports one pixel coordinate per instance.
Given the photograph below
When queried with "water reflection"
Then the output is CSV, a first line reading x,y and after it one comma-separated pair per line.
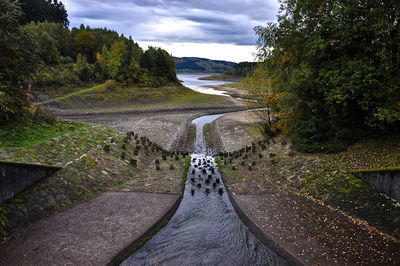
x,y
191,81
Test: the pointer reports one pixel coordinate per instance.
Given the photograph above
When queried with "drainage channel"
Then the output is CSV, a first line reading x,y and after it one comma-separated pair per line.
x,y
205,230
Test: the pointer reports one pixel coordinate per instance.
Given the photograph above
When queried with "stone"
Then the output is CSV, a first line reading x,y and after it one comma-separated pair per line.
x,y
133,162
107,148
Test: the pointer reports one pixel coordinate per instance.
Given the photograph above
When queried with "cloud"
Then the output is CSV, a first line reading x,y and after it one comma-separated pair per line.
x,y
177,21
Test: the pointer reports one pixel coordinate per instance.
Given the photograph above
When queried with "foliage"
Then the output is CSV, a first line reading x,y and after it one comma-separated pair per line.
x,y
17,61
336,68
242,69
201,65
43,11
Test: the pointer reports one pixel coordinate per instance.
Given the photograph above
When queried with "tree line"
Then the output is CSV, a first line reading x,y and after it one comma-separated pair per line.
x,y
331,71
242,69
37,49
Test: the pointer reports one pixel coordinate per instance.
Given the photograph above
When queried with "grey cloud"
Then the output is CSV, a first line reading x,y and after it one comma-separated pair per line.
x,y
229,21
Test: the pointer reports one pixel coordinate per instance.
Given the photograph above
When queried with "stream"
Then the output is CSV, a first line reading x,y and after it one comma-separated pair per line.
x,y
205,230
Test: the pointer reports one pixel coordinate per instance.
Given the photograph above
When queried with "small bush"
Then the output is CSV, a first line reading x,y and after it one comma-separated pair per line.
x,y
111,85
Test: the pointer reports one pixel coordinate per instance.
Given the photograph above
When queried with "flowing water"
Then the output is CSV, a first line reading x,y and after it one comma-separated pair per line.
x,y
205,230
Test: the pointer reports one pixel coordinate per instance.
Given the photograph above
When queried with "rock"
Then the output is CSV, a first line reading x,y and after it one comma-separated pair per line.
x,y
157,167
123,155
260,155
272,155
171,167
133,162
107,148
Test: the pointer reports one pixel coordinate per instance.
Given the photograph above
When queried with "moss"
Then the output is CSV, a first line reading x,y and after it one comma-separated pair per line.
x,y
378,170
207,135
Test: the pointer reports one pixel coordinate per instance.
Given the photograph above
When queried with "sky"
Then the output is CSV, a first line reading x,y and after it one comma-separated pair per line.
x,y
214,29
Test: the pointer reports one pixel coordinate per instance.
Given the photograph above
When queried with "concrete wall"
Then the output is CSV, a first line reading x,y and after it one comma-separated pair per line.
x,y
385,181
15,177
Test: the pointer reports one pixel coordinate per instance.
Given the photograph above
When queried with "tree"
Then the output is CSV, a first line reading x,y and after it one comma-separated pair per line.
x,y
339,61
17,61
44,11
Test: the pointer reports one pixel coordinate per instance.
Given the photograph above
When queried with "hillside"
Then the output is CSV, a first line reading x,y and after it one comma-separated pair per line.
x,y
201,65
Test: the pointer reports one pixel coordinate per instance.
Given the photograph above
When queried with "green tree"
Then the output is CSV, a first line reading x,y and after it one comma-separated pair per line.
x,y
17,61
43,11
82,68
339,62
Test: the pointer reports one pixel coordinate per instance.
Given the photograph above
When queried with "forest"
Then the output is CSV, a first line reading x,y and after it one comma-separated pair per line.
x,y
330,72
38,51
242,69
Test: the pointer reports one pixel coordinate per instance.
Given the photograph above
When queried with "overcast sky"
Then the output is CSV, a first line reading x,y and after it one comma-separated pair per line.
x,y
215,29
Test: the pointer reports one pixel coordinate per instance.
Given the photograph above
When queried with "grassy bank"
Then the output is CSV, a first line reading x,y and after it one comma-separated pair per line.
x,y
237,85
119,98
207,135
26,135
75,92
222,76
326,177
94,159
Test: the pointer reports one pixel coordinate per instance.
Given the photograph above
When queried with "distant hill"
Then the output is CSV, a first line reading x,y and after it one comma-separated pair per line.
x,y
201,65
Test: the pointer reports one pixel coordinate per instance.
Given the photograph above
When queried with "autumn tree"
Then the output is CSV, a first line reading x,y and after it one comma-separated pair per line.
x,y
338,63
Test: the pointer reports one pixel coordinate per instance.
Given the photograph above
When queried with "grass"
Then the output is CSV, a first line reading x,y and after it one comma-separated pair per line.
x,y
77,92
237,85
27,135
207,135
222,76
191,134
137,98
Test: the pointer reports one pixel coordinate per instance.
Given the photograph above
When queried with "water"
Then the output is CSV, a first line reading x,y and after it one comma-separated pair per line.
x,y
205,230
191,81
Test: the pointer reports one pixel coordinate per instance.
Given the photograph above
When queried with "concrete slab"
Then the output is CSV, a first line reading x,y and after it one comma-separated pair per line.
x,y
92,233
313,233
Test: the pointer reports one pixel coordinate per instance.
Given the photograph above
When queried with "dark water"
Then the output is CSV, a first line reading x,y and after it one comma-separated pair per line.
x,y
205,230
